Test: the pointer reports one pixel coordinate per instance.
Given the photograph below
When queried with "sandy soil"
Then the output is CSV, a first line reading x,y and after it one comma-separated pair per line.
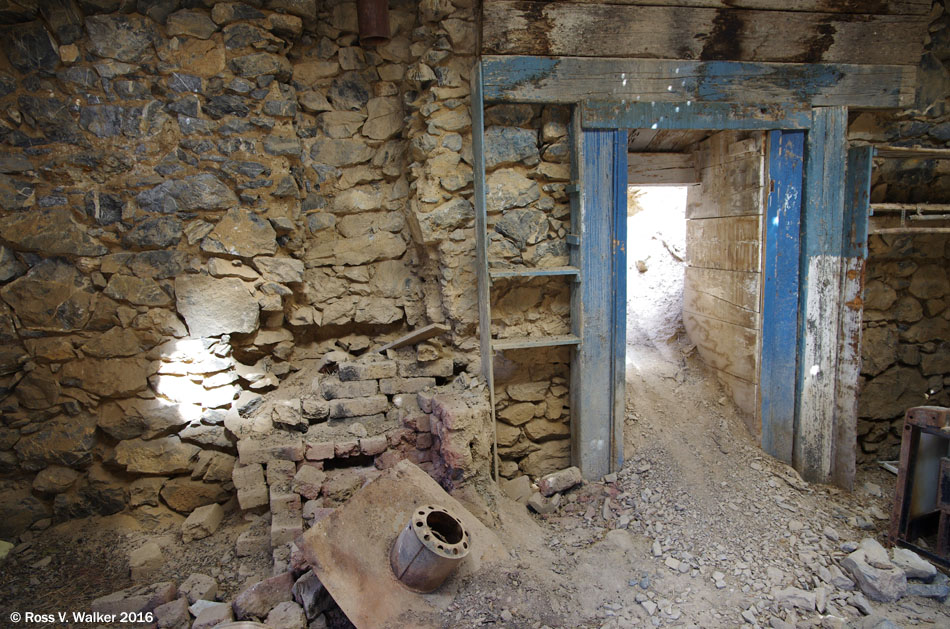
x,y
695,497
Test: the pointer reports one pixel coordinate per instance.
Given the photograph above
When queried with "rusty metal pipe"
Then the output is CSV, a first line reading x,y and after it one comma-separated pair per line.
x,y
373,18
429,548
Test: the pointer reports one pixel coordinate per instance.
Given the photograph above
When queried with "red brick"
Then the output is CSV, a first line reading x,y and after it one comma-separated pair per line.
x,y
374,445
320,451
417,421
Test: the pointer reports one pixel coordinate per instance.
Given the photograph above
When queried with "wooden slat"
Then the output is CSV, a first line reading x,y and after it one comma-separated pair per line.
x,y
779,339
908,152
578,202
416,336
877,7
744,394
698,302
721,203
695,115
731,180
857,193
529,342
673,140
724,243
820,306
723,346
575,79
639,138
661,169
618,327
736,287
514,27
594,361
534,272
481,251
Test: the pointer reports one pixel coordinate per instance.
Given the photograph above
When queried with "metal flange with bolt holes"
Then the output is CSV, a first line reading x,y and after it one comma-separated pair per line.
x,y
429,548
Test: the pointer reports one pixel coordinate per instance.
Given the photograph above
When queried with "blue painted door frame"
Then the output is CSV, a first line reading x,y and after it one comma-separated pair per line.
x,y
780,317
780,292
600,312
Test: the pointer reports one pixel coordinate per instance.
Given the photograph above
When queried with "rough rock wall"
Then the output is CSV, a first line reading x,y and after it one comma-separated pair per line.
x,y
905,353
906,334
196,198
527,162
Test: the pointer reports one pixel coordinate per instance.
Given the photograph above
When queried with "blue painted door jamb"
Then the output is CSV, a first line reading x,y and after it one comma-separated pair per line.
x,y
780,292
596,396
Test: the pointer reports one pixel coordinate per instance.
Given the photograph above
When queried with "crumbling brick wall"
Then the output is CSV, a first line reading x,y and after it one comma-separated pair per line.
x,y
198,199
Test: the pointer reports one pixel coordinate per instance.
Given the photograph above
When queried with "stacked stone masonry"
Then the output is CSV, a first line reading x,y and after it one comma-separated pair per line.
x,y
527,162
905,358
197,200
906,334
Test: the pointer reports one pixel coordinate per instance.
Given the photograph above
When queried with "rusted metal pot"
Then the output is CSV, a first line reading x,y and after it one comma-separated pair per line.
x,y
429,548
373,18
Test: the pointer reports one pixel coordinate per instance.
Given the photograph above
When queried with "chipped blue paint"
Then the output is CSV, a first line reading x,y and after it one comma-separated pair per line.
x,y
820,294
604,177
717,79
857,201
780,292
693,115
619,282
575,79
515,72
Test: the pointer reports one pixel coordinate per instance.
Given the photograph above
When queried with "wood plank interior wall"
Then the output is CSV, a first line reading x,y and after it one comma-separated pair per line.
x,y
797,31
721,310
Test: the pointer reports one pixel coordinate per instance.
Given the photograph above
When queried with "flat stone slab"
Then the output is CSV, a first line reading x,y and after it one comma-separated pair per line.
x,y
349,551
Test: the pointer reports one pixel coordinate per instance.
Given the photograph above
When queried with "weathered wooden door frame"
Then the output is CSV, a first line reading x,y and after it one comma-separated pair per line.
x,y
613,94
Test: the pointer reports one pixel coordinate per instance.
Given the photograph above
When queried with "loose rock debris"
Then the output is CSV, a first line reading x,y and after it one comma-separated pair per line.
x,y
686,534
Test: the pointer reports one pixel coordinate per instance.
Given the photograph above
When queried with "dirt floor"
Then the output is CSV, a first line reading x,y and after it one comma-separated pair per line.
x,y
699,529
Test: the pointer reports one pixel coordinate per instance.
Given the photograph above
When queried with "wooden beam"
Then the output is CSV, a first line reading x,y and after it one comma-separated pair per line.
x,y
576,79
857,193
820,302
481,252
416,336
780,292
695,115
878,7
661,169
560,29
593,372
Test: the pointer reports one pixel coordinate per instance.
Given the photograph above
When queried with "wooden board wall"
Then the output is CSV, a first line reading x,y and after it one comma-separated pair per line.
x,y
721,305
816,31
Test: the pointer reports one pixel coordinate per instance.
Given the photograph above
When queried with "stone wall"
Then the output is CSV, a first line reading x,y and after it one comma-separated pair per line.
x,y
198,199
527,162
905,352
906,335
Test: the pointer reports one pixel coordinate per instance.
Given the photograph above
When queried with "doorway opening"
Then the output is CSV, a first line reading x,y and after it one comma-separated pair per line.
x,y
656,250
695,235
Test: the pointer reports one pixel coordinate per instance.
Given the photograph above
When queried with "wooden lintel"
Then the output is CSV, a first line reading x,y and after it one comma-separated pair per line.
x,y
579,79
879,7
661,169
605,29
694,115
